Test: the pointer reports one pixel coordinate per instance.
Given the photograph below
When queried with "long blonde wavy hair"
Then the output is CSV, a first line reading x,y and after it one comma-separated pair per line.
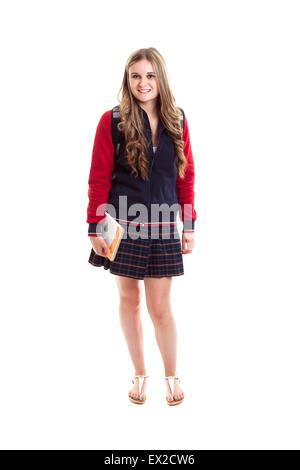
x,y
131,123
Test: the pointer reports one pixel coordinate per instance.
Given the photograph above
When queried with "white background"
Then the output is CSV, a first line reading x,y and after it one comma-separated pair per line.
x,y
65,370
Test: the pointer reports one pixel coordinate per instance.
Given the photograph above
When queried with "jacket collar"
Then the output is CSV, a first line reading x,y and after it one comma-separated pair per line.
x,y
146,119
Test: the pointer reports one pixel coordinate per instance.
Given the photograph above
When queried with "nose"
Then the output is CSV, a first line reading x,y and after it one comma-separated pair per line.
x,y
143,83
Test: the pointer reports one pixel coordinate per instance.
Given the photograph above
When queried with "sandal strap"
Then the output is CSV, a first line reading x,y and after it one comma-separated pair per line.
x,y
171,380
140,382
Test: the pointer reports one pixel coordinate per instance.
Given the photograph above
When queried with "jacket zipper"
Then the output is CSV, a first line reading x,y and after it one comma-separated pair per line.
x,y
152,163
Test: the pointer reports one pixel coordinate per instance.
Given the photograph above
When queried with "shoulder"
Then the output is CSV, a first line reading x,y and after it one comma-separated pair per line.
x,y
104,122
111,115
106,116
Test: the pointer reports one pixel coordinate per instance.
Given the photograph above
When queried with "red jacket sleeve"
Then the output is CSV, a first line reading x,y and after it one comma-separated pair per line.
x,y
100,176
185,186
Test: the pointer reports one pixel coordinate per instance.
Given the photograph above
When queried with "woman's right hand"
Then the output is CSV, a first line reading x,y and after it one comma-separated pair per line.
x,y
100,246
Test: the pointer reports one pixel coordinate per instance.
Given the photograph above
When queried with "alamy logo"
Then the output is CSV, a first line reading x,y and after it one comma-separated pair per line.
x,y
159,218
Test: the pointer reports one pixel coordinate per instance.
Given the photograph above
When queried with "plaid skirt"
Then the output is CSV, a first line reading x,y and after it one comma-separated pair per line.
x,y
151,251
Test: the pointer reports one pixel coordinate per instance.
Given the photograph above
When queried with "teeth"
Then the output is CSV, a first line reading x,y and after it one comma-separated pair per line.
x,y
144,91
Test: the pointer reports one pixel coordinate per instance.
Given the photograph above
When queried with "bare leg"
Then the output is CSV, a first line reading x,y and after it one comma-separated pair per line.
x,y
158,292
129,312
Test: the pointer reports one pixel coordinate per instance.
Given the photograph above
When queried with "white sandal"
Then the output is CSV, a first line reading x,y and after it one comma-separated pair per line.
x,y
171,385
140,382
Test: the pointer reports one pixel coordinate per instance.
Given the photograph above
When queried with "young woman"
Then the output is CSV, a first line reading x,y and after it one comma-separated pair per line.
x,y
152,168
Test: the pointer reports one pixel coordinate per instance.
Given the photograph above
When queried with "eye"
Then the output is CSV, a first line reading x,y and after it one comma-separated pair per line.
x,y
149,75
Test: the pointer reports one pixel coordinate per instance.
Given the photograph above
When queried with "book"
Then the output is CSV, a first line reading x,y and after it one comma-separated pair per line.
x,y
112,234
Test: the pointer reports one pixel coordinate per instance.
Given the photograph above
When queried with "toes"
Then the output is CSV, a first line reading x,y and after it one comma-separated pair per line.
x,y
178,397
137,396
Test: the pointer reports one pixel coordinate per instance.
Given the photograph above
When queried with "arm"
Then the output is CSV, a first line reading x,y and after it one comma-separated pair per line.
x,y
101,171
185,186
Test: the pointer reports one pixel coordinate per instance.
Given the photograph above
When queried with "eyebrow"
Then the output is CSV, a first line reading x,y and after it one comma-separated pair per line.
x,y
136,73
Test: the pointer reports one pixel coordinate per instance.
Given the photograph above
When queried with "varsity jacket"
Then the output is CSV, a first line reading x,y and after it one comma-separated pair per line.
x,y
111,183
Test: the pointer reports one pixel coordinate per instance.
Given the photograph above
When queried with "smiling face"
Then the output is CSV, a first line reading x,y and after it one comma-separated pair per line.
x,y
143,82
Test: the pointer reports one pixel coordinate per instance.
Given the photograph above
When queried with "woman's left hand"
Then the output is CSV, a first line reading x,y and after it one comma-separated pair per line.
x,y
187,239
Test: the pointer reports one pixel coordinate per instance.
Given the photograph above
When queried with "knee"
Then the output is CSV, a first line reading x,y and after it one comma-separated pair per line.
x,y
131,298
159,311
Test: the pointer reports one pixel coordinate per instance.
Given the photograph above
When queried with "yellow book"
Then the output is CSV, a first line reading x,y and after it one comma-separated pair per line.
x,y
112,234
